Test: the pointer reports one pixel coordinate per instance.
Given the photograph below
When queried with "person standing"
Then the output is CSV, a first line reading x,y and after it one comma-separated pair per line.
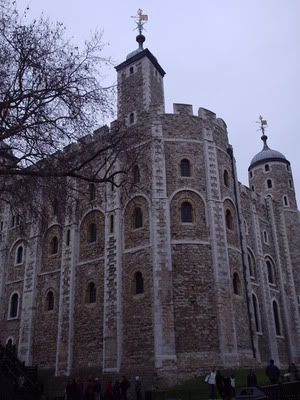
x,y
125,384
138,388
211,380
273,373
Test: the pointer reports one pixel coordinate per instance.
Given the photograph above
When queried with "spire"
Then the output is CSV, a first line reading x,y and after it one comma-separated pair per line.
x,y
263,123
141,19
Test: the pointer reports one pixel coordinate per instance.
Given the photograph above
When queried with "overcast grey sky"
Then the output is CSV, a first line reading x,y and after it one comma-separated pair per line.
x,y
238,58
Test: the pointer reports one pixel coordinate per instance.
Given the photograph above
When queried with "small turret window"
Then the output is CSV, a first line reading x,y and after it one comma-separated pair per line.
x,y
251,174
288,167
267,167
226,178
291,184
252,188
131,70
185,168
269,184
285,201
229,220
131,118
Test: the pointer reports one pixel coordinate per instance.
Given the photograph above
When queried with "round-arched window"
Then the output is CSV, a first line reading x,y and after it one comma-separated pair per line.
x,y
186,212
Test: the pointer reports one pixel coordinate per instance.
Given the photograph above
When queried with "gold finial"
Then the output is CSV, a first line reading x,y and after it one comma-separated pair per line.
x,y
141,19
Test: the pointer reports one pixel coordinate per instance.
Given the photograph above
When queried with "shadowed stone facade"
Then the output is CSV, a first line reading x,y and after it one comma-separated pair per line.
x,y
185,269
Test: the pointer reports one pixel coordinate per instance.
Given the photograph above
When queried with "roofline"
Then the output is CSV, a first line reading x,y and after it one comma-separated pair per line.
x,y
276,159
138,56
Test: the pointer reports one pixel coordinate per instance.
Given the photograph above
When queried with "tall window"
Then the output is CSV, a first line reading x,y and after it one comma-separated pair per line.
x,y
92,233
138,218
256,313
50,301
186,212
229,220
276,318
54,245
236,283
68,237
270,270
111,224
269,184
131,118
139,283
185,167
91,293
92,191
14,303
136,174
267,167
226,178
19,258
251,263
285,201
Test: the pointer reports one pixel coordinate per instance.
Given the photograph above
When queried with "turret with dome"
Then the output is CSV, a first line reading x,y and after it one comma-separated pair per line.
x,y
270,173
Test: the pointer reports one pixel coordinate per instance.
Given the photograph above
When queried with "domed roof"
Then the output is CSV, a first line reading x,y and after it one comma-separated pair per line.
x,y
267,154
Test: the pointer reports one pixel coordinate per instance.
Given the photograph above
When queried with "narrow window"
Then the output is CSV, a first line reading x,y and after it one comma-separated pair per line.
x,y
111,224
92,233
252,188
131,70
138,217
92,191
266,239
236,284
13,221
139,283
256,313
267,168
226,178
136,174
186,212
131,118
229,220
68,237
288,167
251,174
18,220
291,184
14,302
285,201
269,184
91,293
276,318
1,225
185,168
19,258
270,272
54,245
55,207
50,301
246,227
251,266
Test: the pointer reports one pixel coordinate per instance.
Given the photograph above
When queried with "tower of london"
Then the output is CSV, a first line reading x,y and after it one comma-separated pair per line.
x,y
181,270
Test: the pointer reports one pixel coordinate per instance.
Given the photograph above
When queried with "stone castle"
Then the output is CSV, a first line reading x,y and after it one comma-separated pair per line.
x,y
193,269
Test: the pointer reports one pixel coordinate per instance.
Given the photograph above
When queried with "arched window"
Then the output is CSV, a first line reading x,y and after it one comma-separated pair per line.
x,y
285,201
138,283
92,191
19,257
185,167
50,301
54,245
229,220
236,283
269,184
91,294
270,270
186,212
14,304
136,174
92,233
256,313
267,167
266,239
251,264
138,217
276,318
226,178
131,118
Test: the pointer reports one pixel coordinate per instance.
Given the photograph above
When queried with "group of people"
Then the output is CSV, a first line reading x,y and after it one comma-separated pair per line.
x,y
225,385
93,390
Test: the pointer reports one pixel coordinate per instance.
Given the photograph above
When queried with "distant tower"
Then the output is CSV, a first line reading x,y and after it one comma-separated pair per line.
x,y
140,80
270,173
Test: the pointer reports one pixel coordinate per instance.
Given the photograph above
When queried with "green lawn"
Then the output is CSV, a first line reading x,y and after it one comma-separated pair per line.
x,y
197,389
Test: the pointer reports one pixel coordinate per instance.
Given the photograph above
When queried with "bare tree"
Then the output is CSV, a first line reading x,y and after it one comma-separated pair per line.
x,y
50,97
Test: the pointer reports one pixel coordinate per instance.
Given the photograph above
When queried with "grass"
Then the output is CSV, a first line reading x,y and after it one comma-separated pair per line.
x,y
197,389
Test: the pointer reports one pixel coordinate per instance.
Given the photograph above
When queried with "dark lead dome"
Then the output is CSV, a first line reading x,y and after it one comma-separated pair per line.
x,y
267,154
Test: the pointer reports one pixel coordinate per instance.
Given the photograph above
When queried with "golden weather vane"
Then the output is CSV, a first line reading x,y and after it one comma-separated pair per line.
x,y
140,19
